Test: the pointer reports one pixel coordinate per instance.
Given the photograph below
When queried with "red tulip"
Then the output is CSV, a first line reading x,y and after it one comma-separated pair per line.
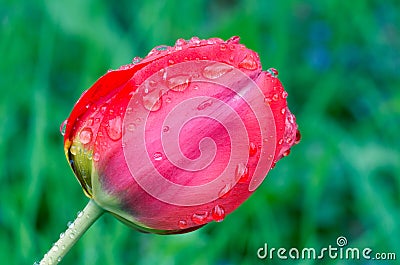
x,y
181,137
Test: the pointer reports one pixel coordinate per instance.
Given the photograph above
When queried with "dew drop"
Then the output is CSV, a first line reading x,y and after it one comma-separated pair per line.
x,y
283,110
241,173
131,127
252,149
286,153
79,214
54,248
216,70
73,149
200,218
152,102
275,97
225,191
298,137
182,224
284,94
248,62
178,83
273,72
89,122
161,48
70,224
205,104
166,129
157,156
218,213
180,42
195,41
63,126
96,157
267,100
234,39
72,235
222,47
114,128
62,235
59,258
129,110
85,136
136,60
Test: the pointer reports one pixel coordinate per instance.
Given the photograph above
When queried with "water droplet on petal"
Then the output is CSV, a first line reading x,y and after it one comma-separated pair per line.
x,y
195,40
157,156
284,94
85,136
241,173
62,235
218,213
234,40
136,60
200,218
62,127
225,191
180,42
273,72
59,258
248,62
283,110
286,153
96,157
275,97
298,137
205,104
222,47
267,100
252,149
216,70
73,149
72,235
131,127
182,224
114,130
166,129
152,102
178,83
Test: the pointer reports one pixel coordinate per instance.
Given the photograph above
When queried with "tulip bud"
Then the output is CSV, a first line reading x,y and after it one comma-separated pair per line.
x,y
182,137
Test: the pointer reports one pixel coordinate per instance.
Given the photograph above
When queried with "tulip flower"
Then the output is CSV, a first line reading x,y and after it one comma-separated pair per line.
x,y
177,139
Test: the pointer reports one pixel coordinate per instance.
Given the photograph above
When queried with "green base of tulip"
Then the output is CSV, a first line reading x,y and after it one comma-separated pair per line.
x,y
74,231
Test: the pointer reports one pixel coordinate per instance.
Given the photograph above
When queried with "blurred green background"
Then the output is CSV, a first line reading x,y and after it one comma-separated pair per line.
x,y
339,61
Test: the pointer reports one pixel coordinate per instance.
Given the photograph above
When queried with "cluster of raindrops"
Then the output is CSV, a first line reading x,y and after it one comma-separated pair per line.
x,y
60,246
217,214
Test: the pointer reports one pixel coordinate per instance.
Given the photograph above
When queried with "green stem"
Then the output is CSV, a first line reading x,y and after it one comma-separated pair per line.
x,y
74,231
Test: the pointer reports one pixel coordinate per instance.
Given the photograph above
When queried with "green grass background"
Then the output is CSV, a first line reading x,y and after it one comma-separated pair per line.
x,y
339,61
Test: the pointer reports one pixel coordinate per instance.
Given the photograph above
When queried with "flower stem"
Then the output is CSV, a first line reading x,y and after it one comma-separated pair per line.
x,y
74,231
